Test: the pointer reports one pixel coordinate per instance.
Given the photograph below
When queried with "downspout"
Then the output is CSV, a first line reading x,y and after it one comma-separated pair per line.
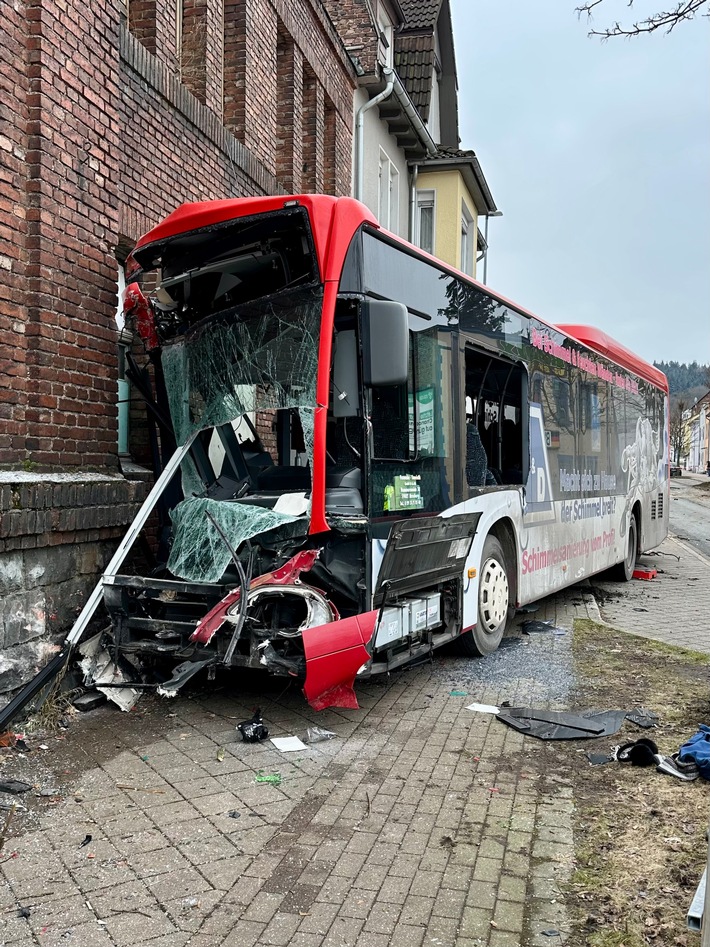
x,y
359,136
413,203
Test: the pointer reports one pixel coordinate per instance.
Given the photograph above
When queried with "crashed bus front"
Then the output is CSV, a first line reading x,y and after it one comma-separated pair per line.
x,y
231,310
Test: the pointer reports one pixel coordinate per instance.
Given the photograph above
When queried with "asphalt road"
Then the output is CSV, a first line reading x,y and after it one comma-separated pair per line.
x,y
690,511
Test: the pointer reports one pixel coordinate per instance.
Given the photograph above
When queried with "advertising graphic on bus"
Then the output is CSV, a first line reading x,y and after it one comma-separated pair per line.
x,y
370,454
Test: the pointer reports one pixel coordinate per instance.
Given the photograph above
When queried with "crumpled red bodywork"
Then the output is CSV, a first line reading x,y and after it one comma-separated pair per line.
x,y
334,654
287,574
137,308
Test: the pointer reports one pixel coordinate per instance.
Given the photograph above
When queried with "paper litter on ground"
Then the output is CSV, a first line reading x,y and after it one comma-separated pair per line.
x,y
288,744
484,708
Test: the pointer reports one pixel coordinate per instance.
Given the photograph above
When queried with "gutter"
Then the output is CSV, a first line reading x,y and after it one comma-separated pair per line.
x,y
359,132
393,86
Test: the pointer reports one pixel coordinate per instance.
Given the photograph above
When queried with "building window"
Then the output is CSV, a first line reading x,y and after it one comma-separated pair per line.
x,y
388,200
467,240
385,44
425,220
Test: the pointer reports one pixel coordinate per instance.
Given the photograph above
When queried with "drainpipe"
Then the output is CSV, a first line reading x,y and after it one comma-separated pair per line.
x,y
413,203
359,135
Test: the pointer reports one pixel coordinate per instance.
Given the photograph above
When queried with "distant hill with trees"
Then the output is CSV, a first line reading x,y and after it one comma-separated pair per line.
x,y
682,377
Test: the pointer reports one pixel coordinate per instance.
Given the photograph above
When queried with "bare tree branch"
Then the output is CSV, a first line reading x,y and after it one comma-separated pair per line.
x,y
663,20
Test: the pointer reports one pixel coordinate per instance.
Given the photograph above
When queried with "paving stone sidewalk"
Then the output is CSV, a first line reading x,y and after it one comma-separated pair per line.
x,y
419,823
674,607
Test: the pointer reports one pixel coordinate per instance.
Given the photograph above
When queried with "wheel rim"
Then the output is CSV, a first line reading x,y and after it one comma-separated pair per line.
x,y
492,596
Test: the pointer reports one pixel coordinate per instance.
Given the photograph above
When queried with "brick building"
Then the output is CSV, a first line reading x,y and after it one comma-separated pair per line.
x,y
113,114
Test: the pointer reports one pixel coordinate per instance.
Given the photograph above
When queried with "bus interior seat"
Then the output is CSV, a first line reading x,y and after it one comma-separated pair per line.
x,y
275,478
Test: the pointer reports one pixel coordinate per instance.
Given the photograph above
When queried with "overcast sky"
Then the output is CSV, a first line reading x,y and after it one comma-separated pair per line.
x,y
598,154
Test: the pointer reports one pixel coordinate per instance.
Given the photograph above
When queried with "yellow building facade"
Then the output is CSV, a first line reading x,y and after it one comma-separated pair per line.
x,y
454,217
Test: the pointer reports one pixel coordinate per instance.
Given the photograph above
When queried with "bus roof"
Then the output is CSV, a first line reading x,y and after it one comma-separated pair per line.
x,y
334,221
616,352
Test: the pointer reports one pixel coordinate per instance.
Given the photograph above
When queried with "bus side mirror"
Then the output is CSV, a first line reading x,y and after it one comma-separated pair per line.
x,y
385,343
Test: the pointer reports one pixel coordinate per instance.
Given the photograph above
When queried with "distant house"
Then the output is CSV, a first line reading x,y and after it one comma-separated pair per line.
x,y
697,438
407,164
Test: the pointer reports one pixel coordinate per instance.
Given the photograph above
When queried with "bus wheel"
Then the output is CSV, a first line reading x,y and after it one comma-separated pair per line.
x,y
624,571
493,601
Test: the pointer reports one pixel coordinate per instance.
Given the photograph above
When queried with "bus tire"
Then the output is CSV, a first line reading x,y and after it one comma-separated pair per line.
x,y
493,603
624,571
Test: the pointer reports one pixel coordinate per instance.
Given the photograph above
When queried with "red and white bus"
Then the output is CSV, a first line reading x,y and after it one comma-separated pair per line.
x,y
378,455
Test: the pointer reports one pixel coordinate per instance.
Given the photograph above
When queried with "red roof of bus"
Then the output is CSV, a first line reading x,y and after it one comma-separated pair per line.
x,y
616,352
334,221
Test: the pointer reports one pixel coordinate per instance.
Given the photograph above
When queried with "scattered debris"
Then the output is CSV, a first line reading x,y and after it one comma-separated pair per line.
x,y
534,627
253,730
220,755
288,744
697,750
14,786
182,674
6,828
599,759
273,778
99,669
563,725
86,841
645,573
23,912
458,693
160,792
643,718
7,739
527,609
234,814
317,735
89,700
484,708
9,806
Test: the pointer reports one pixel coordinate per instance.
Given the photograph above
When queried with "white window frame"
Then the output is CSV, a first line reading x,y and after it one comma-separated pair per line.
x,y
468,241
388,193
385,37
426,199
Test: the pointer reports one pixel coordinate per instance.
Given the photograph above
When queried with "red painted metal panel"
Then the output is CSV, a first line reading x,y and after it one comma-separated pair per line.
x,y
197,216
334,654
611,349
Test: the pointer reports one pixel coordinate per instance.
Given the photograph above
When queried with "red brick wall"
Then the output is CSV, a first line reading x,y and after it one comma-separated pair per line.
x,y
101,139
61,202
14,88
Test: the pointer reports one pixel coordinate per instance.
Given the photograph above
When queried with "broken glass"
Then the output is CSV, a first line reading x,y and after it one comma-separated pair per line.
x,y
256,357
198,553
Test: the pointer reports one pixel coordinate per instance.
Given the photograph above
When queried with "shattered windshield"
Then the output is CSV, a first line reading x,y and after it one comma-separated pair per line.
x,y
237,310
258,357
